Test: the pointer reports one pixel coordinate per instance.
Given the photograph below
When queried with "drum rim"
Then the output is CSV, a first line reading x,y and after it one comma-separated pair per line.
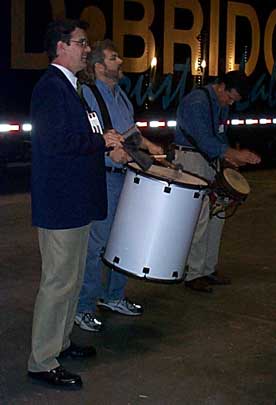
x,y
175,182
143,278
232,188
235,194
242,177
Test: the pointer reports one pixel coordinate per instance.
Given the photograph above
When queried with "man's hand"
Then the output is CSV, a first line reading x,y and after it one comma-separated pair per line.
x,y
112,139
152,147
118,155
241,157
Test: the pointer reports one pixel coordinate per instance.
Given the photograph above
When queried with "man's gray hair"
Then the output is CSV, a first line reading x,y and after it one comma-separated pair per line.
x,y
97,53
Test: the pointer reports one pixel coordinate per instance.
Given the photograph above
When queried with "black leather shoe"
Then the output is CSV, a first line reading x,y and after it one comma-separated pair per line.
x,y
215,279
59,377
76,351
199,284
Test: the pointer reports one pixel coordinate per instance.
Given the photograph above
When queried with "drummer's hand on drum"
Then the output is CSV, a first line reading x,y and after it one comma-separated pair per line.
x,y
241,157
119,155
112,138
152,147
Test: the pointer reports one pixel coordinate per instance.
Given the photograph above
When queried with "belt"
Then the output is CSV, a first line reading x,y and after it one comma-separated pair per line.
x,y
121,170
184,148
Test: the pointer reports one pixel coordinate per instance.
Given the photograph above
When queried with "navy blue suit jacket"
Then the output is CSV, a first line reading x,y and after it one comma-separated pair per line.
x,y
68,171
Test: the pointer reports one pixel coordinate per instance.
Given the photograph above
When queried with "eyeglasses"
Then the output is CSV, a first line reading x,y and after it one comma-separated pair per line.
x,y
83,42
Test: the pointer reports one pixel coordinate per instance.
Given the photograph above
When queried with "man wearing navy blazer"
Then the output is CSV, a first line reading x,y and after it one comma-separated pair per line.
x,y
68,193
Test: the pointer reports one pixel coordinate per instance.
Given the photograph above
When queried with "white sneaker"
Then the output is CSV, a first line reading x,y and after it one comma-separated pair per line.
x,y
123,306
88,321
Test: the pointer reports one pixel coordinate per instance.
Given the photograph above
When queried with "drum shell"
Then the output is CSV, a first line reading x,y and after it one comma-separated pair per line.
x,y
223,187
153,227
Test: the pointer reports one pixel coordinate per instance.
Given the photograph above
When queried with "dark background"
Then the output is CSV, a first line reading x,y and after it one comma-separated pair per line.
x,y
16,85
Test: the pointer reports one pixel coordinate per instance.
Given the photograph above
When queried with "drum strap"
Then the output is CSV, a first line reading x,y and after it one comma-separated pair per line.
x,y
130,145
103,108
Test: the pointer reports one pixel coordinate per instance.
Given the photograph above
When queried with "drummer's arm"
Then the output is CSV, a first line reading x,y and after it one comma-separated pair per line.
x,y
241,157
151,147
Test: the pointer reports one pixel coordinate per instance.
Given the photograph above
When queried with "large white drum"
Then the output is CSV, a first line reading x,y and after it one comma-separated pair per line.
x,y
154,223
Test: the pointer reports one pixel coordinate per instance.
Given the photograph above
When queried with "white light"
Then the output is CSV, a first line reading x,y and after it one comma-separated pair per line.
x,y
263,121
157,124
153,62
141,124
171,123
237,122
27,127
9,127
197,64
251,121
203,64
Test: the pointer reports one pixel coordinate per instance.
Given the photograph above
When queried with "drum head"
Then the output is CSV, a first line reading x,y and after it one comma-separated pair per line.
x,y
236,181
171,175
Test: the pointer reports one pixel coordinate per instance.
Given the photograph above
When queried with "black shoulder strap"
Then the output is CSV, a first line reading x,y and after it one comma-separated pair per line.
x,y
103,108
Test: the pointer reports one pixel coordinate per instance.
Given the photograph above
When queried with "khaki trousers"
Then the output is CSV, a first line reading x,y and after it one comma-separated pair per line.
x,y
204,252
63,254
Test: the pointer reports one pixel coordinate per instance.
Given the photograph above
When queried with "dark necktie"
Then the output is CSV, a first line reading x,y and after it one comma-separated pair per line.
x,y
79,89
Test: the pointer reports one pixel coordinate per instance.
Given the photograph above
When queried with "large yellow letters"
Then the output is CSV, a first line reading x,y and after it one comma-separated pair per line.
x,y
242,10
20,59
138,28
175,36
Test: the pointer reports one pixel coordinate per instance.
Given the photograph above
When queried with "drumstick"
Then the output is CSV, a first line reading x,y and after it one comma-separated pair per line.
x,y
166,163
158,156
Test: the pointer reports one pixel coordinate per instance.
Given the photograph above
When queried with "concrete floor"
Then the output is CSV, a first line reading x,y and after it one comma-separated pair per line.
x,y
188,348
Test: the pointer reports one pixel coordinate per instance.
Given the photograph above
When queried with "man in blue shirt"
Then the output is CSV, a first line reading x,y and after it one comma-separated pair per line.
x,y
201,118
104,68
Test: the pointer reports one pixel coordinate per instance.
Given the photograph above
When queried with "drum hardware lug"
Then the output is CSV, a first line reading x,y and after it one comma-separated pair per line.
x,y
146,270
136,180
175,274
196,194
116,259
167,189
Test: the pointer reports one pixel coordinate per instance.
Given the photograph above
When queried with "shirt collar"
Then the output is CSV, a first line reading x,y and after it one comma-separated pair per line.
x,y
104,86
70,76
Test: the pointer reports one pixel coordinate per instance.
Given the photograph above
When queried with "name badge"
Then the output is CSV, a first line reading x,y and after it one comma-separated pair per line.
x,y
95,122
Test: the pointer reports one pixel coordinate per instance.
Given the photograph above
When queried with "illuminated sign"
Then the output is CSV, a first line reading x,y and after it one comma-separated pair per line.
x,y
20,59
